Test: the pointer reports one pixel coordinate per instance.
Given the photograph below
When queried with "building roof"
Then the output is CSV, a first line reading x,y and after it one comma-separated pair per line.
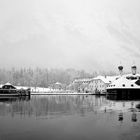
x,y
106,79
130,74
82,80
127,80
8,84
57,83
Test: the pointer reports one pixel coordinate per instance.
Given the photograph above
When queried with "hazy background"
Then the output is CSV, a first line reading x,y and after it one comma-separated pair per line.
x,y
82,34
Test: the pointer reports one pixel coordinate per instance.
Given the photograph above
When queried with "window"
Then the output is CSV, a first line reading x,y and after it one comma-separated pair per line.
x,y
131,78
123,85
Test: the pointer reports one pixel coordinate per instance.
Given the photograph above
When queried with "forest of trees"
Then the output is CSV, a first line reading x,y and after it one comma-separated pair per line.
x,y
42,77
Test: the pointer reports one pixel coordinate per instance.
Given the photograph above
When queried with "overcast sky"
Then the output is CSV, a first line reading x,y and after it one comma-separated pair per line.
x,y
82,34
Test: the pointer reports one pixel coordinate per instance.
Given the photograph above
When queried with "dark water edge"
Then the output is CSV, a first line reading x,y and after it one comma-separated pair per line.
x,y
70,117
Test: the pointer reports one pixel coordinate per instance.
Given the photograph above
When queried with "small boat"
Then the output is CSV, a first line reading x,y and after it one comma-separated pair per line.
x,y
9,90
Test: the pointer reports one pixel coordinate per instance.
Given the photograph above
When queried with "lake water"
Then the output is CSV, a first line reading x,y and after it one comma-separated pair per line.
x,y
69,117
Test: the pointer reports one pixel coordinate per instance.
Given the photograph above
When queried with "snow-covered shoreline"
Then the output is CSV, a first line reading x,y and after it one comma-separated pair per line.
x,y
59,93
49,91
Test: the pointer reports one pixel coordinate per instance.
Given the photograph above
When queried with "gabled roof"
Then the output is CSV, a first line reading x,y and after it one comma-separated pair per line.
x,y
8,84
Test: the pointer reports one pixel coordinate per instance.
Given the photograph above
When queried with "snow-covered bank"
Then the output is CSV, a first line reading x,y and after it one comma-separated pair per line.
x,y
49,91
60,93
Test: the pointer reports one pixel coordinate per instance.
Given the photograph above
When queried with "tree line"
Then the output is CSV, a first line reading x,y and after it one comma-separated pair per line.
x,y
41,77
44,77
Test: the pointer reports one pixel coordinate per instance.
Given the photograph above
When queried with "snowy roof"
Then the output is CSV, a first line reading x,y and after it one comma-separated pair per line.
x,y
21,87
57,83
113,78
8,84
82,80
136,75
124,79
106,79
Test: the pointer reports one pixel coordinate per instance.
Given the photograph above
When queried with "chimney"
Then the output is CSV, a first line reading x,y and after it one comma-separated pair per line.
x,y
120,70
134,70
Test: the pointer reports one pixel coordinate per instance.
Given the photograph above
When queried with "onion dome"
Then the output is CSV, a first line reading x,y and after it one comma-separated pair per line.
x,y
120,68
133,67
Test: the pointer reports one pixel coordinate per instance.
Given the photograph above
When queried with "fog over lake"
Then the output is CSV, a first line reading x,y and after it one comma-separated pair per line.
x,y
81,34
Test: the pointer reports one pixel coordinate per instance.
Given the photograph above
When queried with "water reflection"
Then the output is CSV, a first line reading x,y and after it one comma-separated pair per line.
x,y
129,103
122,97
120,117
134,117
13,99
68,117
54,106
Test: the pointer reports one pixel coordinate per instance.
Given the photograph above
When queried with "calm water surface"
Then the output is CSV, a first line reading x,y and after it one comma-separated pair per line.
x,y
69,118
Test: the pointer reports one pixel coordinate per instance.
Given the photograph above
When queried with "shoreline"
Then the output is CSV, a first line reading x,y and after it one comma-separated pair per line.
x,y
59,93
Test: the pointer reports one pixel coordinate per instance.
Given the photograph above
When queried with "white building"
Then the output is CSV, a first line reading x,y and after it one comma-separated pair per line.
x,y
81,85
93,85
100,83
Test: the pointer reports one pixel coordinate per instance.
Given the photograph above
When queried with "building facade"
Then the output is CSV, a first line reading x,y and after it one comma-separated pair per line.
x,y
93,85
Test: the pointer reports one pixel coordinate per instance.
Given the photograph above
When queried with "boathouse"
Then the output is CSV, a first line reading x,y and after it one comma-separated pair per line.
x,y
8,86
9,90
